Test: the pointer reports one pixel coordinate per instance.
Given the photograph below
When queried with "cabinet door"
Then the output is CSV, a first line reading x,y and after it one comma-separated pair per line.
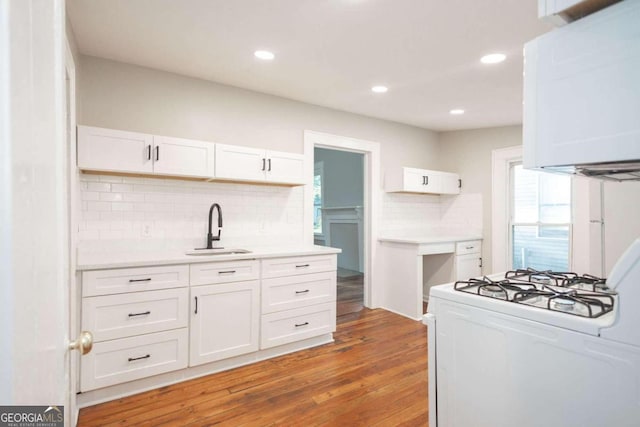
x,y
183,157
114,150
285,168
468,266
225,321
414,180
240,163
449,183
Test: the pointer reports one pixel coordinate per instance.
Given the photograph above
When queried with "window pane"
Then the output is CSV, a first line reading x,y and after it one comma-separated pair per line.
x,y
540,196
525,195
555,197
317,204
542,248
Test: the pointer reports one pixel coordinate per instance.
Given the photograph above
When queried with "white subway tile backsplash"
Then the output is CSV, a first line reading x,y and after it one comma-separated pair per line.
x,y
98,206
122,188
98,186
111,197
90,195
135,212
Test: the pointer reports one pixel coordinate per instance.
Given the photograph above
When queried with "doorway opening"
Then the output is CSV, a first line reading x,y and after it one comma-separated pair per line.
x,y
338,199
335,221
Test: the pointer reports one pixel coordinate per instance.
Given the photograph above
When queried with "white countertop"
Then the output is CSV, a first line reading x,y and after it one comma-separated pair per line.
x,y
426,239
121,259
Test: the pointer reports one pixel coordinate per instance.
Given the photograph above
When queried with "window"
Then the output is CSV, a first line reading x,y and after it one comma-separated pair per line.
x,y
317,198
540,220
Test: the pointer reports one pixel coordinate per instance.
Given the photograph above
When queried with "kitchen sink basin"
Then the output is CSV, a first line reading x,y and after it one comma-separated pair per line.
x,y
217,251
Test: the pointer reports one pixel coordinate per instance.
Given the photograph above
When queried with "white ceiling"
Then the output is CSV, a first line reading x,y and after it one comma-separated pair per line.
x,y
330,52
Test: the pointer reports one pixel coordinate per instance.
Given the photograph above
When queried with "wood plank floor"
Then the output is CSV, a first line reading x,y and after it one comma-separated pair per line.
x,y
374,374
350,294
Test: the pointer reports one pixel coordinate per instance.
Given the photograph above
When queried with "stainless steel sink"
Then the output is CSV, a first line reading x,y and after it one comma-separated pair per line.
x,y
218,251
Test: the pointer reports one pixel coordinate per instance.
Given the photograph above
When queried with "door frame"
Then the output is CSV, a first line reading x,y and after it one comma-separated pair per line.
x,y
372,194
73,208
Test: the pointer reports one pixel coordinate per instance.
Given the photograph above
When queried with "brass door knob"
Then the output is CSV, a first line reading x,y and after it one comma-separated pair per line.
x,y
84,343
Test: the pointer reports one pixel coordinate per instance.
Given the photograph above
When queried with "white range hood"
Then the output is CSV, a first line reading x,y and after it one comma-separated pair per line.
x,y
582,96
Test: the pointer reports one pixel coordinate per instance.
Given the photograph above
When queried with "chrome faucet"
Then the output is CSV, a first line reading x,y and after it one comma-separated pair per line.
x,y
210,237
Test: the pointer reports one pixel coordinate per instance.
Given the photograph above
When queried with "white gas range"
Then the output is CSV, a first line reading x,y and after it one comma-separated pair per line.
x,y
537,349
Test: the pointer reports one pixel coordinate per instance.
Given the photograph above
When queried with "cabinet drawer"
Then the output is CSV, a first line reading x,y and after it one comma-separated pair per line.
x,y
473,247
118,316
127,359
293,325
224,272
117,281
284,293
278,267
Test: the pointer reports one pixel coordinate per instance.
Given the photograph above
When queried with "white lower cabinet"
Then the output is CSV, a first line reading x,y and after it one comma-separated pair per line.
x,y
298,299
157,319
126,359
288,326
468,260
224,321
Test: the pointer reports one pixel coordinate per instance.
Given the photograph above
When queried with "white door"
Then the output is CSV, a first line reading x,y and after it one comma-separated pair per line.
x,y
114,150
224,321
34,319
183,157
468,266
240,163
285,168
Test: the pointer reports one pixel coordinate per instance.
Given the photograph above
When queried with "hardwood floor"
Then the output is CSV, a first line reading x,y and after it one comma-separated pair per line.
x,y
374,374
350,294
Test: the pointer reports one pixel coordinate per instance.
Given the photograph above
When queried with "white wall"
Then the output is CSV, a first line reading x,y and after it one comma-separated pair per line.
x,y
124,96
469,154
128,97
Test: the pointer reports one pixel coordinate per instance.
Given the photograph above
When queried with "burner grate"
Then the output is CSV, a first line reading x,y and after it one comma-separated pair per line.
x,y
572,301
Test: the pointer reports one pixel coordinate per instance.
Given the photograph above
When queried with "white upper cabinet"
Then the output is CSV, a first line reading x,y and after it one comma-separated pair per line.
x,y
131,152
412,180
251,164
114,150
183,157
561,12
582,91
240,163
285,168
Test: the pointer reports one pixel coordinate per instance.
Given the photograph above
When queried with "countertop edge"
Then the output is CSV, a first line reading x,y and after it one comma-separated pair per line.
x,y
429,240
175,259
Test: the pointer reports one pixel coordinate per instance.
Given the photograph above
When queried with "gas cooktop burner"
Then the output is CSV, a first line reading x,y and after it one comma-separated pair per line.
x,y
571,301
500,289
585,282
570,293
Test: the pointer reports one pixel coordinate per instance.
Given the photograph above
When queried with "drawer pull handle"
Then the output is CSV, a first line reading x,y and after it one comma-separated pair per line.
x,y
148,279
302,292
480,262
131,359
196,312
227,272
302,265
301,324
139,314
469,247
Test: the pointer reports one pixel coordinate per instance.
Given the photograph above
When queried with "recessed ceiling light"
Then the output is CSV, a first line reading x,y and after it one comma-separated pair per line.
x,y
264,54
493,58
379,89
456,111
